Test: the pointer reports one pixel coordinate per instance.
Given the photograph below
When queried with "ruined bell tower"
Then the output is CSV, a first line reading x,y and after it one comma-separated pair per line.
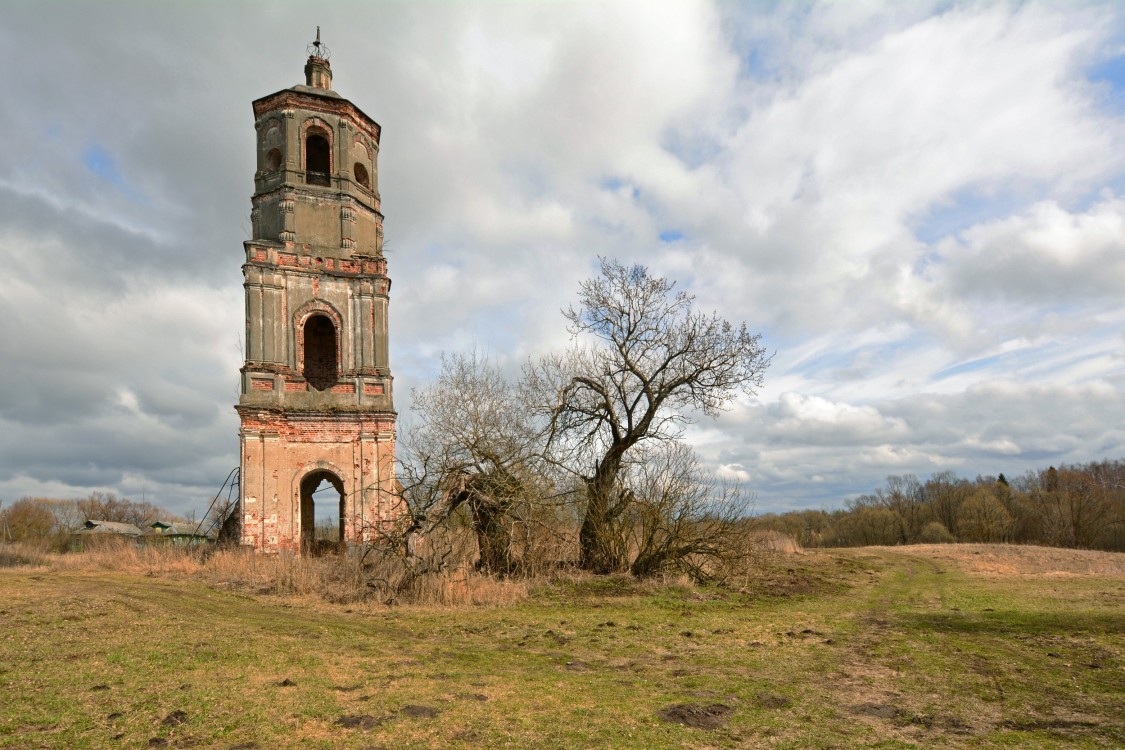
x,y
315,403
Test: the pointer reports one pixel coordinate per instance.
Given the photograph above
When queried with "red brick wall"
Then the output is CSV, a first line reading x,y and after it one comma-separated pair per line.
x,y
280,448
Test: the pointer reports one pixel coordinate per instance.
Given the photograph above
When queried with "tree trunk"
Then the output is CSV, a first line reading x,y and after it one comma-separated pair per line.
x,y
493,537
230,531
600,550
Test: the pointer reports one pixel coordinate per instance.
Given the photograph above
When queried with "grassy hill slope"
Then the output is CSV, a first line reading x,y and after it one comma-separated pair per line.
x,y
959,646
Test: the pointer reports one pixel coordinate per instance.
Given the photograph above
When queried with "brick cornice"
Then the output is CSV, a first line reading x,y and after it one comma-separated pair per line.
x,y
289,98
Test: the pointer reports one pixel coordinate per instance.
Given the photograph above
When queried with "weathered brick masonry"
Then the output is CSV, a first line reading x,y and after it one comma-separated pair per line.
x,y
280,450
316,399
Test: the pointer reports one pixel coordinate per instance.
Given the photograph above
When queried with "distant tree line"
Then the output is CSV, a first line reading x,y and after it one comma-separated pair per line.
x,y
51,521
1080,506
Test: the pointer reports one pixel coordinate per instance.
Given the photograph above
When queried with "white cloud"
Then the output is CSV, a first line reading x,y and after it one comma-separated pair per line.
x,y
810,420
822,183
1043,257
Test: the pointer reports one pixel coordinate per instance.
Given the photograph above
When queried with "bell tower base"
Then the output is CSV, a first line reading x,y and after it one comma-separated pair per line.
x,y
286,454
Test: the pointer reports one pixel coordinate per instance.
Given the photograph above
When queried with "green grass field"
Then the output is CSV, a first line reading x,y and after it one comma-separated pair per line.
x,y
956,646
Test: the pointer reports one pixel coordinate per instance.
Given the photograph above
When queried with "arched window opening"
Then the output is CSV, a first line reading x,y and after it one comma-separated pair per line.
x,y
320,352
273,160
361,177
322,513
318,164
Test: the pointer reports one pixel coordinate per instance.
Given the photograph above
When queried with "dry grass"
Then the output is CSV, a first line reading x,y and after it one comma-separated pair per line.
x,y
350,579
125,557
443,574
1021,560
776,541
343,579
19,554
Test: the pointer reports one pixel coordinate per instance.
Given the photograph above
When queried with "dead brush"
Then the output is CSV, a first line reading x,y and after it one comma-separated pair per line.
x,y
776,541
337,579
441,573
21,554
127,557
440,570
455,587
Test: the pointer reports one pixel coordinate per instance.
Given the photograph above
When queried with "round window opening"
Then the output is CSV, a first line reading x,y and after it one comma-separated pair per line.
x,y
361,176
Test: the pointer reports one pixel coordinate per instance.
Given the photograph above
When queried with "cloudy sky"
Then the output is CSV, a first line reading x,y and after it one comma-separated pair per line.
x,y
921,207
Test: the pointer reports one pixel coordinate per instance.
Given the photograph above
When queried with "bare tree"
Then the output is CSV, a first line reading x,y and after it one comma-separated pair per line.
x,y
1078,506
653,359
682,520
27,519
944,492
475,445
983,518
904,496
866,523
68,516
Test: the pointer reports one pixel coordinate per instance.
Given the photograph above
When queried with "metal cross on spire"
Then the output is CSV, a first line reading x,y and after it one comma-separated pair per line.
x,y
318,48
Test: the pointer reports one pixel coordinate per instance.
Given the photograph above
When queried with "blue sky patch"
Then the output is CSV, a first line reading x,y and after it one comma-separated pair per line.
x,y
671,235
1111,71
967,208
614,184
1114,185
102,165
692,148
973,365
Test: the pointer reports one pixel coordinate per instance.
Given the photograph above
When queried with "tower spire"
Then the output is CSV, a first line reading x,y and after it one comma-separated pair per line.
x,y
317,48
318,71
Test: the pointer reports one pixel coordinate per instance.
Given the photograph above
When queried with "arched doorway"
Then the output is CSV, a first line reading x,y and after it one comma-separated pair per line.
x,y
322,513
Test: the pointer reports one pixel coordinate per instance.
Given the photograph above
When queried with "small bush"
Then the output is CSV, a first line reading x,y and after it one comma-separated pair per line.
x,y
935,533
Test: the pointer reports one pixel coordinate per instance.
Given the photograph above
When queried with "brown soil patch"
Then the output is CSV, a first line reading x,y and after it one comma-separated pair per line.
x,y
174,719
420,712
770,700
1035,724
868,684
358,721
697,715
